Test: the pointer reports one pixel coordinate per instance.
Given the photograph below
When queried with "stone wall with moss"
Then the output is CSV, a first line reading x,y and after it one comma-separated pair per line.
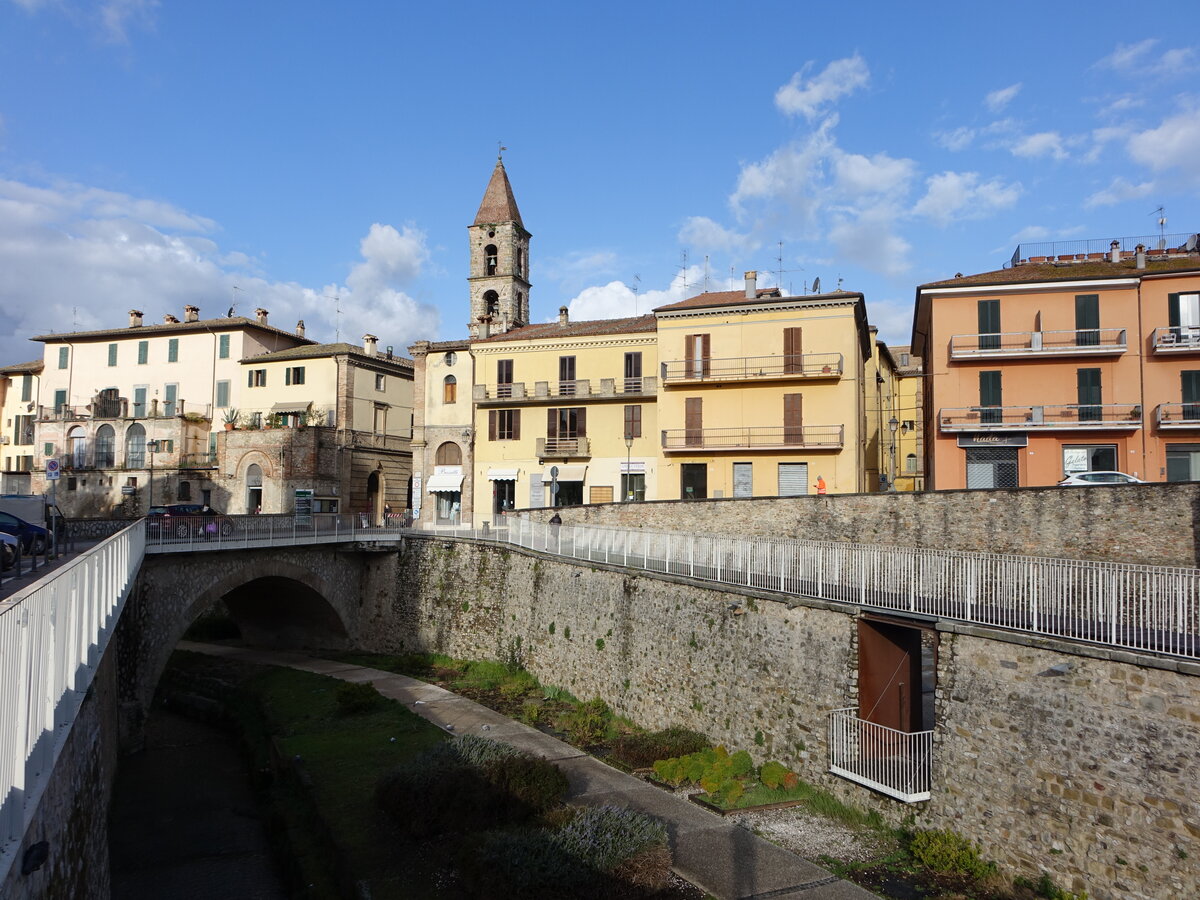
x,y
1055,757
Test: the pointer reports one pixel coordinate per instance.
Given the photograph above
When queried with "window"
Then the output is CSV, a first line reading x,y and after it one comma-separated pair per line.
x,y
989,324
521,261
1087,320
793,418
491,303
990,396
1189,393
633,421
633,486
1183,462
992,467
504,496
143,352
448,454
112,354
380,424
904,359
633,373
1183,315
504,377
23,430
504,425
566,424
450,358
256,378
1088,385
63,355
222,394
910,464
450,389
135,447
1089,458
60,401
293,375
185,491
223,346
793,360
173,350
697,349
380,384
490,260
693,481
139,401
693,422
170,395
566,375
26,388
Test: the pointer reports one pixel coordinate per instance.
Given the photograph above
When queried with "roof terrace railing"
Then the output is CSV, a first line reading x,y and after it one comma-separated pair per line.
x,y
1098,248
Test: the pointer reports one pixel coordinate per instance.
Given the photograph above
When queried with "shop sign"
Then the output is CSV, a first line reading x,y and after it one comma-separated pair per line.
x,y
992,439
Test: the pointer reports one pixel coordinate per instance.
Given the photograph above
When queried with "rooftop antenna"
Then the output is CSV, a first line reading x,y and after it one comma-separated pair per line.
x,y
637,283
706,273
817,285
233,301
1162,227
683,270
779,259
840,279
730,278
337,315
74,318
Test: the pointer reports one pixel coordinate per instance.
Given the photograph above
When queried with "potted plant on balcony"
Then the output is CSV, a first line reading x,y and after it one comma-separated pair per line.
x,y
231,419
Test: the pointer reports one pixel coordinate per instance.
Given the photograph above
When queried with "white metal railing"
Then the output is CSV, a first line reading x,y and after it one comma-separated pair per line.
x,y
176,534
52,636
896,763
1154,609
1076,342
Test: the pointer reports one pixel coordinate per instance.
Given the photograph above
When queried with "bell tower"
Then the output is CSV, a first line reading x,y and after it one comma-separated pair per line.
x,y
499,279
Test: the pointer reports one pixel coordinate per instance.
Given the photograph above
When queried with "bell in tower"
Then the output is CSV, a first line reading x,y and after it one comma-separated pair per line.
x,y
499,279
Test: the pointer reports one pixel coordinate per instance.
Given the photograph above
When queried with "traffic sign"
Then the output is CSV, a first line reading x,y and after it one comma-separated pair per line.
x,y
53,470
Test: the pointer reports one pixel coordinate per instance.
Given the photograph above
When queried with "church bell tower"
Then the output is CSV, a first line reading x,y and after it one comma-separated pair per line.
x,y
499,279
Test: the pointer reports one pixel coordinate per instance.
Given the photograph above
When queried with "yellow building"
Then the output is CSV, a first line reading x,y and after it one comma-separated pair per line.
x,y
762,394
910,442
880,423
565,414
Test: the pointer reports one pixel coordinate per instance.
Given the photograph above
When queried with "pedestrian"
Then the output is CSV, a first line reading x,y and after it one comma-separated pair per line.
x,y
556,519
820,485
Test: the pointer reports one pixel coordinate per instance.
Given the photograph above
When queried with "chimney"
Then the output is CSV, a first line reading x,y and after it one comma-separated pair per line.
x,y
261,315
300,328
1140,256
191,314
135,318
1114,251
751,285
370,345
169,319
485,328
563,316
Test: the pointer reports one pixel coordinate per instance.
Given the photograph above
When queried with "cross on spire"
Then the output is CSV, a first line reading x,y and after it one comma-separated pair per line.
x,y
500,152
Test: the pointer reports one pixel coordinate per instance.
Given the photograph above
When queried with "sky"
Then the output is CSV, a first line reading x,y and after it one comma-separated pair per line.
x,y
323,161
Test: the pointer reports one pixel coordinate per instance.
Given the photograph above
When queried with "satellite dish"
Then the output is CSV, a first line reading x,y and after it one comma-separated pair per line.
x,y
817,285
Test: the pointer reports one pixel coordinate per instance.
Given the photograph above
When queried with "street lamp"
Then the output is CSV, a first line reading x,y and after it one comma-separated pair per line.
x,y
152,448
893,424
628,467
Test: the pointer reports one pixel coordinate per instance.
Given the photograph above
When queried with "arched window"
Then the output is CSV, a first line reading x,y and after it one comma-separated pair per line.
x,y
490,259
135,446
77,443
910,463
450,389
449,454
521,262
106,447
491,303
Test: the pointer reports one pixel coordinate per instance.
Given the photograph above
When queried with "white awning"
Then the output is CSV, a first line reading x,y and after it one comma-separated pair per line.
x,y
291,407
565,473
444,484
502,475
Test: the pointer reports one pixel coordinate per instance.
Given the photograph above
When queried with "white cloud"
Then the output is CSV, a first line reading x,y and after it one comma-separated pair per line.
x,y
958,139
1173,144
961,195
74,256
869,241
1127,56
880,174
1044,143
1118,192
703,233
997,100
1137,59
790,174
807,96
116,17
578,268
616,299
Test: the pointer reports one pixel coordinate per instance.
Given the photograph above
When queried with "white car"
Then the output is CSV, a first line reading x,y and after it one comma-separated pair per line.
x,y
8,550
1084,478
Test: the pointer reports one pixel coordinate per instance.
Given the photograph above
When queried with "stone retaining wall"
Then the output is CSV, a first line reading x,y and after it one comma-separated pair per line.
x,y
1157,524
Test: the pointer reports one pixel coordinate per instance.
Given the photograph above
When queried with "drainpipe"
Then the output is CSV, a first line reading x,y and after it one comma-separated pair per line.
x,y
1142,381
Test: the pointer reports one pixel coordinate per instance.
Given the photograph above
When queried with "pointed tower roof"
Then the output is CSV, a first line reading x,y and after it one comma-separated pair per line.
x,y
498,204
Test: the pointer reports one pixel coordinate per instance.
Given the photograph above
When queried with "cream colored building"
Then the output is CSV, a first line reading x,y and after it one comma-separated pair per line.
x,y
18,411
442,490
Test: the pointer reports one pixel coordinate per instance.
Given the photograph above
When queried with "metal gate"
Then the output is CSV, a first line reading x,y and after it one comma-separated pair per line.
x,y
793,479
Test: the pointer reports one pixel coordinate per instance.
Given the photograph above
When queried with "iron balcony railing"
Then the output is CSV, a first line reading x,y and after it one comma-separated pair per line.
x,y
800,437
564,448
1177,339
896,763
1177,415
1110,416
1097,249
749,368
581,389
1085,342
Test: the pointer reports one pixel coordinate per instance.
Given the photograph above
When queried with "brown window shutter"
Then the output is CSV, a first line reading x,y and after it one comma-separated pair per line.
x,y
693,421
793,422
705,352
516,425
551,424
581,422
636,422
491,425
792,350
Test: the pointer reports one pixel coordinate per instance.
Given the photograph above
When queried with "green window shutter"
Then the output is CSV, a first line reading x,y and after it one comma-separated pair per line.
x,y
60,400
989,324
1089,385
63,355
1173,310
26,388
173,350
222,394
989,389
112,354
223,346
143,352
1190,387
287,376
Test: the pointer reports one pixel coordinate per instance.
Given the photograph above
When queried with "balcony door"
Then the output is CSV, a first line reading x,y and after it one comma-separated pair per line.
x,y
1087,320
793,419
1088,386
1190,394
1183,315
699,350
989,324
566,375
633,373
693,422
504,377
793,358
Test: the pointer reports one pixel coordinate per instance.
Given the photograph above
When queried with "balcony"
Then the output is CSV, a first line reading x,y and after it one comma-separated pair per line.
x,y
547,392
563,448
1177,416
1018,344
1177,339
1097,416
808,366
806,437
896,763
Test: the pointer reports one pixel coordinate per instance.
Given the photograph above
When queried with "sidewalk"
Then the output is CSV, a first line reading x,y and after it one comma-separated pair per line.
x,y
729,862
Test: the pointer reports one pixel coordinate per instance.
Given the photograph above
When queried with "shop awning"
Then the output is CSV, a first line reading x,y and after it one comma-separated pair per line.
x,y
444,484
502,475
291,407
565,473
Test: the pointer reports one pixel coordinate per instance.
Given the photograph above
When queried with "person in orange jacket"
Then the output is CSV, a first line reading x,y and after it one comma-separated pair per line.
x,y
820,485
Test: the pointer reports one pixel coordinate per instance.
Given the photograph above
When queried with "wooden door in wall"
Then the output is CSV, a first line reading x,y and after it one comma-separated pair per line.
x,y
889,675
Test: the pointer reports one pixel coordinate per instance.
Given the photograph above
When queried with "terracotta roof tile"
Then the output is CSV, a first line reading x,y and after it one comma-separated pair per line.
x,y
228,324
544,330
733,298
499,204
317,351
1037,272
34,366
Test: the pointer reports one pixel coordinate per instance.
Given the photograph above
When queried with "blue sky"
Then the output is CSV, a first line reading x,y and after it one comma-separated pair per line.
x,y
282,154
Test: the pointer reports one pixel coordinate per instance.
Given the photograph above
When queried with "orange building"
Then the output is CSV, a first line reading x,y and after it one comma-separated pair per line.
x,y
1070,359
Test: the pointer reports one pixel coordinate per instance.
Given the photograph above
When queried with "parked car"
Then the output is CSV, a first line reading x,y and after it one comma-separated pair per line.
x,y
187,520
33,538
8,550
1085,478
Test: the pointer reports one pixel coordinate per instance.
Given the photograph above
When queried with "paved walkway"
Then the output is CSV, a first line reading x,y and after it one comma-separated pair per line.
x,y
729,862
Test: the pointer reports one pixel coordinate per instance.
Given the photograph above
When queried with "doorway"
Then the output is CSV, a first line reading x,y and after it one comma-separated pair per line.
x,y
254,488
897,672
375,497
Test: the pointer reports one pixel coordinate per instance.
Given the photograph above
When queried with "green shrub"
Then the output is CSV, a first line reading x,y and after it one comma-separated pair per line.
x,y
535,783
531,712
949,853
353,699
771,774
640,750
741,764
587,723
1046,888
478,751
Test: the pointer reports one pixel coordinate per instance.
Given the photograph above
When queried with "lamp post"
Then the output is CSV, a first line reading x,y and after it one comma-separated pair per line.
x,y
628,467
893,424
152,448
